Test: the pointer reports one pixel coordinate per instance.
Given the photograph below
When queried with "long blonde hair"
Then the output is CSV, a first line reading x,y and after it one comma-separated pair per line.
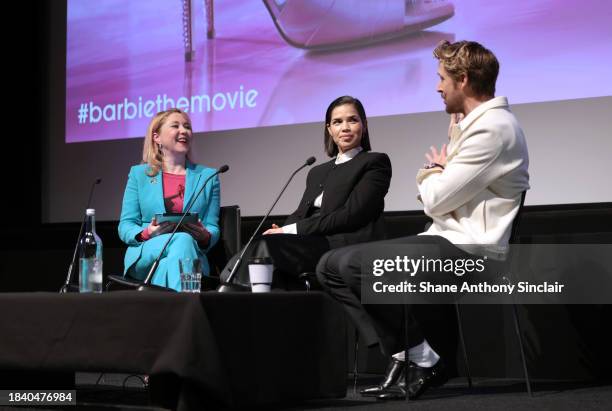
x,y
151,153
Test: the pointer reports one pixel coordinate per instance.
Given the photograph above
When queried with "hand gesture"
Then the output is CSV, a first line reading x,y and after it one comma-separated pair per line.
x,y
437,157
274,230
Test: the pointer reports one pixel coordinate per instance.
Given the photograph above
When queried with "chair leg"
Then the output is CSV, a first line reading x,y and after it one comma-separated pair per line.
x,y
355,362
406,349
463,349
519,334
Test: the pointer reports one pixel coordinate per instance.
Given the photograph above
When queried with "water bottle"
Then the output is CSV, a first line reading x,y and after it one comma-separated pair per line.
x,y
90,256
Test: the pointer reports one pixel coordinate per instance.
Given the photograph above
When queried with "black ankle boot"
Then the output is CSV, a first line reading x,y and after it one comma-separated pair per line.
x,y
395,371
420,380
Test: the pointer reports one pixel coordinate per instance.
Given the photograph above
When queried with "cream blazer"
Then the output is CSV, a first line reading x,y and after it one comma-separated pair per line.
x,y
474,200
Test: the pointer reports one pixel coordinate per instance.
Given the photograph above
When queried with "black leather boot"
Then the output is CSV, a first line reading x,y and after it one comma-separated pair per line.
x,y
420,379
395,371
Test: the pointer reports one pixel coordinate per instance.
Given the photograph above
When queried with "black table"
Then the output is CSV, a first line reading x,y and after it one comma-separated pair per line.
x,y
231,349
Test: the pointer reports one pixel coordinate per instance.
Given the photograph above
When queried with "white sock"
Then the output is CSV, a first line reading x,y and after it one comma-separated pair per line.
x,y
422,355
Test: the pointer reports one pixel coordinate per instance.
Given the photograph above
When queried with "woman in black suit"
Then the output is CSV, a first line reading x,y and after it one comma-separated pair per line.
x,y
342,204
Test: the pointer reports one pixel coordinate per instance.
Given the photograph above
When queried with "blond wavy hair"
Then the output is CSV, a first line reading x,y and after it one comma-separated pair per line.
x,y
151,153
470,59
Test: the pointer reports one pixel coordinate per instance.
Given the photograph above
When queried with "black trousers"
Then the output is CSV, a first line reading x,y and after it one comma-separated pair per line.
x,y
291,254
339,272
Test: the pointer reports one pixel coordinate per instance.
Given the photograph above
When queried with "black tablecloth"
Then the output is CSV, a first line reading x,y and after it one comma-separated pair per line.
x,y
232,348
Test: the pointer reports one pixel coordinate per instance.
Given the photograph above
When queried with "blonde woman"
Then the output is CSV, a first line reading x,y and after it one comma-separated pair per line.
x,y
166,181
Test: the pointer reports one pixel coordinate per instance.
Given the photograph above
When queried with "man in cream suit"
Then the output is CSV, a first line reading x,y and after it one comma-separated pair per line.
x,y
471,189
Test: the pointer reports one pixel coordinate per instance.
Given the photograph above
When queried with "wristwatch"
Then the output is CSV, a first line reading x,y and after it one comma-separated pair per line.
x,y
433,165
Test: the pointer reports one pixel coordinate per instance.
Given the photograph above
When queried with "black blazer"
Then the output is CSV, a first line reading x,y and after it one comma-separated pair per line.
x,y
353,202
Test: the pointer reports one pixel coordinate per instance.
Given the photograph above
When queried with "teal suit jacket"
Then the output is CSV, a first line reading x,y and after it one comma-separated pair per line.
x,y
143,199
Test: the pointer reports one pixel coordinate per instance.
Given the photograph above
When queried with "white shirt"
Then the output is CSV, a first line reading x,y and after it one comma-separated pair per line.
x,y
474,200
340,158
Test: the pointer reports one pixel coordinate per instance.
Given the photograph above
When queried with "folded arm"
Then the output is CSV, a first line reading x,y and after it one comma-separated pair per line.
x,y
466,174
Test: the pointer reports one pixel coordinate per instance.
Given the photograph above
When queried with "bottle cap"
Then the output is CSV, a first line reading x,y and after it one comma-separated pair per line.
x,y
90,211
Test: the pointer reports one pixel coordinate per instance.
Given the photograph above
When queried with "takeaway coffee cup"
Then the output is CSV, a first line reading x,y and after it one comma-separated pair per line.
x,y
260,274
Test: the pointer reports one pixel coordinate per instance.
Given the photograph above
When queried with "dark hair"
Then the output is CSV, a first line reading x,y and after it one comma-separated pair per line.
x,y
470,59
330,147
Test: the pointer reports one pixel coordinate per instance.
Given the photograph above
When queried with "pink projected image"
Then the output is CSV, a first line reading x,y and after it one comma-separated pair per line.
x,y
241,64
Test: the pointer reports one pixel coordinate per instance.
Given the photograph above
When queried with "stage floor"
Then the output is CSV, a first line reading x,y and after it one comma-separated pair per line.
x,y
487,394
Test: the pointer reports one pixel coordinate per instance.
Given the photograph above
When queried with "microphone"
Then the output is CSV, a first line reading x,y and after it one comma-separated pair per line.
x,y
227,285
145,286
65,288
